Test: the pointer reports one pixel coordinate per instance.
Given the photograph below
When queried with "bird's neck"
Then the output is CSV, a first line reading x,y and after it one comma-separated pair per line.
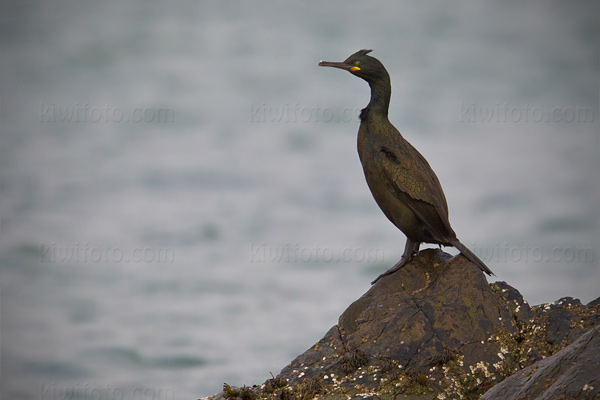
x,y
381,91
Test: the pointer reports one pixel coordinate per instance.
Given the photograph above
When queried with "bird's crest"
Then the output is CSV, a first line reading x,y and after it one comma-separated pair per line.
x,y
364,52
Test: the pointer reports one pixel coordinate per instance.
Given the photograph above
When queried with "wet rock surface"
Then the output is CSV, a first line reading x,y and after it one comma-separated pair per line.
x,y
436,330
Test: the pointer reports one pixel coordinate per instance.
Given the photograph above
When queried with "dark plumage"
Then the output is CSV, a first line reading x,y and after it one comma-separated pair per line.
x,y
401,180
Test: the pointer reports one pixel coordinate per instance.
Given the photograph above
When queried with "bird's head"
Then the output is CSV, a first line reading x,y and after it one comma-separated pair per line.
x,y
362,65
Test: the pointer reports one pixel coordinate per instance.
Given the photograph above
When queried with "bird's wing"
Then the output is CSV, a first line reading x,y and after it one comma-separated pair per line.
x,y
416,185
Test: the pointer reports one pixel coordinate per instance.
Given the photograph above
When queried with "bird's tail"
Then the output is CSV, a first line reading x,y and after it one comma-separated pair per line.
x,y
472,257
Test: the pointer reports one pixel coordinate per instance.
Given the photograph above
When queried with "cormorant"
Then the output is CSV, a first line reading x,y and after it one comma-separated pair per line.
x,y
401,180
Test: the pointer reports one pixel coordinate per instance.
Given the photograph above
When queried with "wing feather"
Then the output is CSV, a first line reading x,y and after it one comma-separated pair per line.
x,y
416,185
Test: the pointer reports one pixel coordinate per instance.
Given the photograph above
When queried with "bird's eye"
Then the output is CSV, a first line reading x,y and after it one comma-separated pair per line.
x,y
357,63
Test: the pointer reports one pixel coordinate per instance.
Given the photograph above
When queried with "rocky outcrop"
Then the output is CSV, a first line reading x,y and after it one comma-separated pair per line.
x,y
437,330
572,373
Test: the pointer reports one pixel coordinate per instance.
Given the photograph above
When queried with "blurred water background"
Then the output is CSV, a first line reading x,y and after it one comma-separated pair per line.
x,y
182,202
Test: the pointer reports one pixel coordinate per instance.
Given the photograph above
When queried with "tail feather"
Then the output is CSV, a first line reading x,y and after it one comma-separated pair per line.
x,y
472,257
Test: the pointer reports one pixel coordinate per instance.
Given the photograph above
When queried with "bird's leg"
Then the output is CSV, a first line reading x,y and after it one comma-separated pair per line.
x,y
411,250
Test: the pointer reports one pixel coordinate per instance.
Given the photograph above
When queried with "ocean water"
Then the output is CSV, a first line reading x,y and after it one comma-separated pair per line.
x,y
182,204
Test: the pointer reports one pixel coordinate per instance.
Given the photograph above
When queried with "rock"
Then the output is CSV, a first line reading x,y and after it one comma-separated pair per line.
x,y
572,373
435,326
433,310
434,329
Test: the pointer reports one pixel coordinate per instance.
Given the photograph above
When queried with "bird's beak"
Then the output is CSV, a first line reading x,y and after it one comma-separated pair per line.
x,y
340,65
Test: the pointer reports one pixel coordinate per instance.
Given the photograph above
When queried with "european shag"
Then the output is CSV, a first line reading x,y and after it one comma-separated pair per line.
x,y
401,180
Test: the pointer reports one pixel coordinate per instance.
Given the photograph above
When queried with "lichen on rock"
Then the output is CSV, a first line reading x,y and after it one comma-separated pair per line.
x,y
435,329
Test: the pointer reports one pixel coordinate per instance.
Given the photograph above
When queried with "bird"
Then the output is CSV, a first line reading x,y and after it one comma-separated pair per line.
x,y
401,180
